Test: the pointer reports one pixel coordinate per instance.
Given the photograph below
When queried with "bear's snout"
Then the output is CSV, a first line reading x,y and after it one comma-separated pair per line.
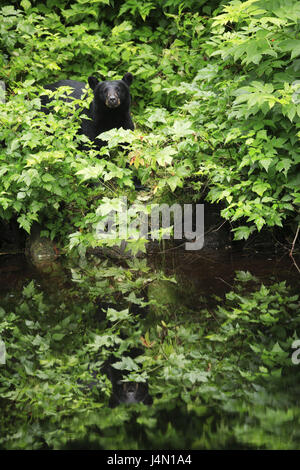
x,y
112,101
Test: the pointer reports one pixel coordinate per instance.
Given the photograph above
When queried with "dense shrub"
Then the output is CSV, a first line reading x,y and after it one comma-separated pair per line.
x,y
215,100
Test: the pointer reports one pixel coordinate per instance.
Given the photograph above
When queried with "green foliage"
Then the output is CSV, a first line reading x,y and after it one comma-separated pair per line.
x,y
215,102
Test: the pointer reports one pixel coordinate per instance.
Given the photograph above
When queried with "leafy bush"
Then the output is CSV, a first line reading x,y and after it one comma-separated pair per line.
x,y
215,102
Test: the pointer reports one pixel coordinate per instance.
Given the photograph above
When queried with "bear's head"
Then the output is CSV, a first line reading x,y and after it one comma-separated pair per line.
x,y
112,94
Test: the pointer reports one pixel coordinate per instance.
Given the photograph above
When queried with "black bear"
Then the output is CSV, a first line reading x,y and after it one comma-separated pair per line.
x,y
109,109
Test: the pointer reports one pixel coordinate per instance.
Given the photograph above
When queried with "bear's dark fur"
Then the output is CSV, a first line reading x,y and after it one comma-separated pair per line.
x,y
109,109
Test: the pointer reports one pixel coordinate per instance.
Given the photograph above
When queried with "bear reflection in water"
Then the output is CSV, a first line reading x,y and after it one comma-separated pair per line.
x,y
122,392
128,393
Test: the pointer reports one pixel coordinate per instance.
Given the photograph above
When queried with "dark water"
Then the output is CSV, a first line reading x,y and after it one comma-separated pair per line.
x,y
208,272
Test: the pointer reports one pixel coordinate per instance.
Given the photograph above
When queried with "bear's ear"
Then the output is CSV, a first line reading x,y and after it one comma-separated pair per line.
x,y
93,82
128,78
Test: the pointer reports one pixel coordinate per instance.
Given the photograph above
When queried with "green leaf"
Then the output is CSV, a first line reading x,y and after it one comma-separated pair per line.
x,y
259,222
174,182
242,232
24,223
284,165
165,156
182,128
260,187
266,162
114,315
292,45
58,336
